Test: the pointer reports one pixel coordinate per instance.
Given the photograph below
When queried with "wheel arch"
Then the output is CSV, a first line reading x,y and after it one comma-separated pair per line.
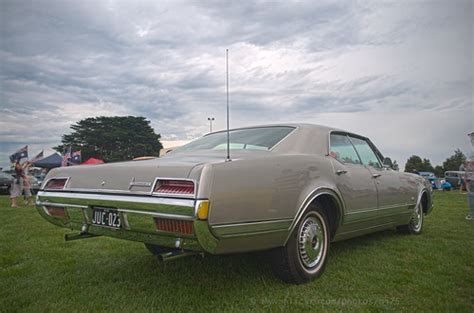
x,y
424,200
332,203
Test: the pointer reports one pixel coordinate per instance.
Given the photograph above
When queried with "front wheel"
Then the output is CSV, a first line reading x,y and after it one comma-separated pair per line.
x,y
305,254
415,226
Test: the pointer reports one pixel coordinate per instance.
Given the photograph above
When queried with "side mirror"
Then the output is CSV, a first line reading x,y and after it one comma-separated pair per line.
x,y
387,163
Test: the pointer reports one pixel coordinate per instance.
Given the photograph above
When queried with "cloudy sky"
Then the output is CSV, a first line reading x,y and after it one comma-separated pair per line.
x,y
399,72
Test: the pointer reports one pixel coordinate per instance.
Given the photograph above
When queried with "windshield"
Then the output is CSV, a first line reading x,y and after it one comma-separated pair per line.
x,y
263,138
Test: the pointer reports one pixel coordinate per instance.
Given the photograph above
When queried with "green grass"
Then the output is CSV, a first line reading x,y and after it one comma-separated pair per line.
x,y
380,272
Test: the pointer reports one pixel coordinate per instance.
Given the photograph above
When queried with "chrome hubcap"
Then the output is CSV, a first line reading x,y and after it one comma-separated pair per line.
x,y
311,242
417,219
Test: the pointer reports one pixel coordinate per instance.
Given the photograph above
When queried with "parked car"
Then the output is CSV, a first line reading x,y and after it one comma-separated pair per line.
x,y
431,177
454,177
5,182
289,189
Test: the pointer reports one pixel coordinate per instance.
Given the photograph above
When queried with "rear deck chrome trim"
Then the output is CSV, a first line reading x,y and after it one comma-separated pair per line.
x,y
103,197
156,214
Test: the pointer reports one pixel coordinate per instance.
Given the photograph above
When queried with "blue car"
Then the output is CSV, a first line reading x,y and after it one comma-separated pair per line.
x,y
431,177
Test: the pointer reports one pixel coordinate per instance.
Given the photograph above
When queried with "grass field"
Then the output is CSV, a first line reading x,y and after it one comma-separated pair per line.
x,y
385,271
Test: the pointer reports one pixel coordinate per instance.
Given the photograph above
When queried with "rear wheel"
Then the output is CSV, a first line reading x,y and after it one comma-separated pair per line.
x,y
415,226
305,254
154,249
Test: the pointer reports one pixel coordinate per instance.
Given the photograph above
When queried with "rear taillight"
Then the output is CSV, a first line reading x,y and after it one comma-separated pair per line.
x,y
174,226
56,183
174,187
56,211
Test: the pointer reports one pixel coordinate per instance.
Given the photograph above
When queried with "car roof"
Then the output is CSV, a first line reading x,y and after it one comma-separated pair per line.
x,y
307,138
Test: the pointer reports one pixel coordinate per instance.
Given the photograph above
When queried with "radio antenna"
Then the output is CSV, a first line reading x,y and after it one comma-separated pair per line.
x,y
227,85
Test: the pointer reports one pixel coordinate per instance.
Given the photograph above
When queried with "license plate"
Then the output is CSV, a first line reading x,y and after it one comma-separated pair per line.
x,y
106,217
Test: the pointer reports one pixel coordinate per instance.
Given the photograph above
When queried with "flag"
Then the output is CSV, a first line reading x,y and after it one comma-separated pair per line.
x,y
39,156
20,154
66,157
76,157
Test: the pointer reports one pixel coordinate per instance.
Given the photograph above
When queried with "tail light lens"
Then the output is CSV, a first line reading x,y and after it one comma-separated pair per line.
x,y
174,226
178,187
56,211
56,183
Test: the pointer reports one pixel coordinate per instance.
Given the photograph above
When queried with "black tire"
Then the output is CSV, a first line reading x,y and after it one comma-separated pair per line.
x,y
154,249
415,226
292,263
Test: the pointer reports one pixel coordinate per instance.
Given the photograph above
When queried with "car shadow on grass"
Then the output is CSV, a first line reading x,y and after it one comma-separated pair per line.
x,y
248,268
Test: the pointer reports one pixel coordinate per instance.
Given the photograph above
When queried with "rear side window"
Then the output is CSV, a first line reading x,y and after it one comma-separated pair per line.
x,y
367,155
343,150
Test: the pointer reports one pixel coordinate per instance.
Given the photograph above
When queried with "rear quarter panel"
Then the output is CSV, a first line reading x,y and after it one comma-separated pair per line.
x,y
263,189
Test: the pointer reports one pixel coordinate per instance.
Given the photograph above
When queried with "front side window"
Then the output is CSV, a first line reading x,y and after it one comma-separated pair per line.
x,y
343,150
367,155
262,138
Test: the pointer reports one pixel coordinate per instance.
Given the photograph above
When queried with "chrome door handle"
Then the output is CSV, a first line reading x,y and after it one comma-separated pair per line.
x,y
376,175
339,172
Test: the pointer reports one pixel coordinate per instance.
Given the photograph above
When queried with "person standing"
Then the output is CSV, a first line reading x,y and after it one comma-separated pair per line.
x,y
16,189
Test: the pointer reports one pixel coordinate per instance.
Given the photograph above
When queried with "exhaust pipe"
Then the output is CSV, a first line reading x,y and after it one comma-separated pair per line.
x,y
176,254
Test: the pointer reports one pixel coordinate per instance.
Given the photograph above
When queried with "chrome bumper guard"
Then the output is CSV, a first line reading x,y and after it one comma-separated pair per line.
x,y
137,214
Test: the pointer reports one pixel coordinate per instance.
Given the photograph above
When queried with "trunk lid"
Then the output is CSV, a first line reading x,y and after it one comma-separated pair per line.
x,y
139,176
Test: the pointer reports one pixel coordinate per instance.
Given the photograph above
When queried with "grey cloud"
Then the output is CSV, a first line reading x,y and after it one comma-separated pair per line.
x,y
66,60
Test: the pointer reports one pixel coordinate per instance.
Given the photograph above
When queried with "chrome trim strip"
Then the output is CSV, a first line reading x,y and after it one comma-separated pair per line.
x,y
128,191
156,214
61,205
382,208
291,132
111,191
146,200
420,195
251,228
366,229
261,232
252,223
308,200
49,179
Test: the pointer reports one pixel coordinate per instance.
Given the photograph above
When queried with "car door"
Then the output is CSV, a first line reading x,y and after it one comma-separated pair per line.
x,y
392,197
355,183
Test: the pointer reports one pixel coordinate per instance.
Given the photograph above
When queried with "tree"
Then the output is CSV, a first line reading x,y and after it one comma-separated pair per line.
x,y
439,171
413,163
426,166
416,163
115,138
454,162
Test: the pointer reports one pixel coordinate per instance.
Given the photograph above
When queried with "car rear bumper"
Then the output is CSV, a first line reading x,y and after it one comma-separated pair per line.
x,y
138,215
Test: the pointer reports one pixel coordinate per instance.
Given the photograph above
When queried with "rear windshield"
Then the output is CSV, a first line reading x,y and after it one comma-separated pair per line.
x,y
263,138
